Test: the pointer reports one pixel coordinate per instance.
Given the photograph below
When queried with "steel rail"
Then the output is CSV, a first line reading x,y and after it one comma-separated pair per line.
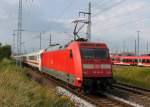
x,y
133,89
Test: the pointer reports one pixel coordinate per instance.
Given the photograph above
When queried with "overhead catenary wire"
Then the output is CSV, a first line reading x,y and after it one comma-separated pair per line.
x,y
98,3
126,23
109,8
124,15
65,9
103,2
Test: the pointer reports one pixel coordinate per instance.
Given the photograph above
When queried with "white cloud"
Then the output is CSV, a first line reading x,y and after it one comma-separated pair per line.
x,y
39,15
113,17
120,24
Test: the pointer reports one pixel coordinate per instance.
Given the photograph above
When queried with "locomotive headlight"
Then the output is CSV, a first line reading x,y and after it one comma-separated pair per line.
x,y
79,80
105,66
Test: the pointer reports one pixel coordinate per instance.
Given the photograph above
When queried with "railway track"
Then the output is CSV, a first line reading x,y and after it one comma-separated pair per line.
x,y
135,94
100,99
103,100
133,89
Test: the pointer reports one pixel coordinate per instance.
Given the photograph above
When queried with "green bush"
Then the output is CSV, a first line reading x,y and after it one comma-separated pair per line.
x,y
5,51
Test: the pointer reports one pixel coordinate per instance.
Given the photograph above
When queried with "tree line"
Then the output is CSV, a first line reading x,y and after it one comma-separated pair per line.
x,y
5,51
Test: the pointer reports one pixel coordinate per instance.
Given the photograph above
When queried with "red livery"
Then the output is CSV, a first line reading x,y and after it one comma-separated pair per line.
x,y
81,64
131,60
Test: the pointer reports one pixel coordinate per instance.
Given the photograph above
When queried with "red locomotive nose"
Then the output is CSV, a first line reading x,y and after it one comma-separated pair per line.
x,y
96,62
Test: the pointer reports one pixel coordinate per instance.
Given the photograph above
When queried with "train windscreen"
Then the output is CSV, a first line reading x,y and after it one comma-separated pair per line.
x,y
95,53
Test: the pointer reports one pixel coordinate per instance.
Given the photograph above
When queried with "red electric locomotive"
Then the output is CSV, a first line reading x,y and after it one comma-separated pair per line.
x,y
81,64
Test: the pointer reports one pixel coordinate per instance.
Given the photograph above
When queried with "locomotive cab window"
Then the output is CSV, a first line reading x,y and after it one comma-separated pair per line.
x,y
98,53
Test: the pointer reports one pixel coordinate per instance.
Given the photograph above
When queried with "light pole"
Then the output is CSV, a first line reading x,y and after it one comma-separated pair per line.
x,y
138,37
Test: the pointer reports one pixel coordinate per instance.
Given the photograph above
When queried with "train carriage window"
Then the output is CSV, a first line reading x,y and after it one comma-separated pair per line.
x,y
143,61
148,61
127,60
118,59
124,60
33,57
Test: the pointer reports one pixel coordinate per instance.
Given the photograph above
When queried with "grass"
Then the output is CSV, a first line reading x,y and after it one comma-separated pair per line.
x,y
16,90
138,76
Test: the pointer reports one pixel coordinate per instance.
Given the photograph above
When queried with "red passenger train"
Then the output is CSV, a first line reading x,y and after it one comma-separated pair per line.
x,y
131,60
81,64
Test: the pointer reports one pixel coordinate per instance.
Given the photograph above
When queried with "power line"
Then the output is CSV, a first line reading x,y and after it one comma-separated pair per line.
x,y
50,40
66,8
33,31
109,8
147,47
19,32
138,43
126,23
127,14
97,3
135,48
14,37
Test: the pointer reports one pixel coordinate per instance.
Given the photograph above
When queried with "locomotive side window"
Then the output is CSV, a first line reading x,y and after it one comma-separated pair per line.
x,y
71,54
94,53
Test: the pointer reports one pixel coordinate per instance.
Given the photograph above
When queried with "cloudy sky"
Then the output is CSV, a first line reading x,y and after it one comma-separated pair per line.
x,y
114,22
